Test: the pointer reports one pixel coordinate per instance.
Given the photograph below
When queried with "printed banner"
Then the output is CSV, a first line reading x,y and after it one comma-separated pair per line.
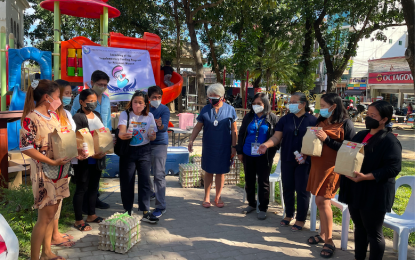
x,y
391,77
129,69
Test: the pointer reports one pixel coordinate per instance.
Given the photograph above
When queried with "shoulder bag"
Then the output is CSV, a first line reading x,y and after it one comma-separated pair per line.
x,y
122,146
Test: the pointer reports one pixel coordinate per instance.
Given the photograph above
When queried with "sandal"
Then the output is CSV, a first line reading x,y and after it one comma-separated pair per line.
x,y
330,251
285,223
298,228
81,227
206,204
67,244
315,242
66,235
219,204
97,220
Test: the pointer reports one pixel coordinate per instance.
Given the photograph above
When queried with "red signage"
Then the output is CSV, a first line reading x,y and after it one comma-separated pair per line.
x,y
394,77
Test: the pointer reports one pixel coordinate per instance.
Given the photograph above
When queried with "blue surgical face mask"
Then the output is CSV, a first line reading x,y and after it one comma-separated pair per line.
x,y
325,112
294,108
66,100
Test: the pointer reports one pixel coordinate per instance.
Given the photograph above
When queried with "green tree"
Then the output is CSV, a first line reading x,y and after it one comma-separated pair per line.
x,y
339,25
408,7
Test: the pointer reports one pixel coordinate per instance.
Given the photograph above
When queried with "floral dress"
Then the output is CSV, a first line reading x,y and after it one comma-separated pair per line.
x,y
35,135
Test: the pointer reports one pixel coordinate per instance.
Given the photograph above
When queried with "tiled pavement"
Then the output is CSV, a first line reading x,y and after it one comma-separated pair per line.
x,y
189,231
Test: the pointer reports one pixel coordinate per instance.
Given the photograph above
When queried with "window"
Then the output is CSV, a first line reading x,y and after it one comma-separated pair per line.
x,y
11,21
390,41
18,34
400,42
15,29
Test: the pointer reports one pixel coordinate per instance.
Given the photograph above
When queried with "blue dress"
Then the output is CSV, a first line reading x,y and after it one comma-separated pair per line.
x,y
217,140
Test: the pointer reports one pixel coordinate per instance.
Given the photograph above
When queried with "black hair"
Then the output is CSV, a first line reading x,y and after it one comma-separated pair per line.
x,y
44,86
323,91
154,89
303,99
86,93
265,100
98,75
62,83
139,93
385,110
168,63
340,113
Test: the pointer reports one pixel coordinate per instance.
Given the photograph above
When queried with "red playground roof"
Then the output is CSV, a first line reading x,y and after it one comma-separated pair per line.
x,y
82,8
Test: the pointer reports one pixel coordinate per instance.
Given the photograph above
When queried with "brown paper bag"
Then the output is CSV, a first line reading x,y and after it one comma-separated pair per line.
x,y
349,158
103,141
84,136
115,117
63,141
312,146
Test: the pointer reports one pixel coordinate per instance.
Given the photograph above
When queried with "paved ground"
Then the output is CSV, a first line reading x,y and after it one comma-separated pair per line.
x,y
189,231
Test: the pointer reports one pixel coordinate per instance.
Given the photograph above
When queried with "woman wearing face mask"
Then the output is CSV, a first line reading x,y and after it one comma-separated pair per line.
x,y
257,127
140,131
371,193
38,121
218,121
323,182
290,131
88,171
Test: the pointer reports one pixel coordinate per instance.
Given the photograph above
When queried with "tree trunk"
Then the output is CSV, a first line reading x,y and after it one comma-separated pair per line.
x,y
304,63
408,13
243,90
331,82
178,52
268,75
213,53
197,55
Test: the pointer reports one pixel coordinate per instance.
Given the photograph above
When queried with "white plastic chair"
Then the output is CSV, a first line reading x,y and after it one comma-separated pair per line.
x,y
405,224
345,218
10,239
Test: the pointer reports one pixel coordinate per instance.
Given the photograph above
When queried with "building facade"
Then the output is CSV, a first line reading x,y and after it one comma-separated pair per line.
x,y
11,17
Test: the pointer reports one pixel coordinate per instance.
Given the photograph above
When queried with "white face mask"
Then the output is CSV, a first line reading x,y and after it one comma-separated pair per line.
x,y
155,103
257,108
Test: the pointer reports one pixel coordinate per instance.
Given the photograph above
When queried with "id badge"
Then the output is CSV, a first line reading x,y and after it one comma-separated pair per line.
x,y
254,148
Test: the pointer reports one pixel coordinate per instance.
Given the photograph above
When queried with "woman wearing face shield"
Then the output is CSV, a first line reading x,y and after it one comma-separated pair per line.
x,y
87,172
218,121
290,131
257,127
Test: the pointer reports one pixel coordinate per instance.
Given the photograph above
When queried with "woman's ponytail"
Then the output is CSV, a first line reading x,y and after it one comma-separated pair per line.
x,y
29,104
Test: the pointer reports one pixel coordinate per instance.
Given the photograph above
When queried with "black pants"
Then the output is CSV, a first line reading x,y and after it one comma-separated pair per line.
x,y
87,182
294,178
257,166
368,230
138,160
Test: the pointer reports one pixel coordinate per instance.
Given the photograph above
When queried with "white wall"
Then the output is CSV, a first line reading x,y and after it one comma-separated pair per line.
x,y
370,48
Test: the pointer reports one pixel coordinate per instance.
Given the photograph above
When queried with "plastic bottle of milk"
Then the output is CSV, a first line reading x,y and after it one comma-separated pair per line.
x,y
299,157
151,129
85,149
130,128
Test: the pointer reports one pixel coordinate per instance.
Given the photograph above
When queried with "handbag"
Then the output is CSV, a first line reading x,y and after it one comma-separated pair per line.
x,y
122,146
56,172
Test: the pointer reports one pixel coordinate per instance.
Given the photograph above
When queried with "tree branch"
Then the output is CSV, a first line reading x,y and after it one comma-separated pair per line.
x,y
205,6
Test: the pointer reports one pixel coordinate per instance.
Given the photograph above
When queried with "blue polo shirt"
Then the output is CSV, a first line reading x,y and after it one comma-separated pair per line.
x,y
251,134
162,112
291,143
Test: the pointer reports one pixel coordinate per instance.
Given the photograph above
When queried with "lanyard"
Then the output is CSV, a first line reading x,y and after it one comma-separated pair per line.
x,y
295,126
257,125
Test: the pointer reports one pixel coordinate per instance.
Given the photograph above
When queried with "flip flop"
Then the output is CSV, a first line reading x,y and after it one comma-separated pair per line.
x,y
65,244
97,220
220,204
206,204
81,227
67,236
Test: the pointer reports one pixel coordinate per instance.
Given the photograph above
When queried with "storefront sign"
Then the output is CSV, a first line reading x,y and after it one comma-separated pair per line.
x,y
356,86
358,80
394,77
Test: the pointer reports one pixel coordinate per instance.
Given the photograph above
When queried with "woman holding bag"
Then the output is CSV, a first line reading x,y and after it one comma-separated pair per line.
x,y
323,182
371,193
290,131
87,172
140,131
257,127
38,121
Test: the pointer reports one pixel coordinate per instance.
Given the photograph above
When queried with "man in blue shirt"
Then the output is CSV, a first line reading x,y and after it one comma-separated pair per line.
x,y
159,148
99,83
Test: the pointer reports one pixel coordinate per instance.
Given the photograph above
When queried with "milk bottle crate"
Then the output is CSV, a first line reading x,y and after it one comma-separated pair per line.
x,y
190,175
119,233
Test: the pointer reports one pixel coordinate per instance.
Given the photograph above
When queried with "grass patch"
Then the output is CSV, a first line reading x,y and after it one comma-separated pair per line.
x,y
16,206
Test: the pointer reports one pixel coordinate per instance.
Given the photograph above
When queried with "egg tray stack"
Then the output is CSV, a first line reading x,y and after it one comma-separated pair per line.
x,y
190,175
231,178
119,233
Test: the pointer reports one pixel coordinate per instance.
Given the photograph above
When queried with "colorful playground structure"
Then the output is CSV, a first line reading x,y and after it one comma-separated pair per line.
x,y
67,55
